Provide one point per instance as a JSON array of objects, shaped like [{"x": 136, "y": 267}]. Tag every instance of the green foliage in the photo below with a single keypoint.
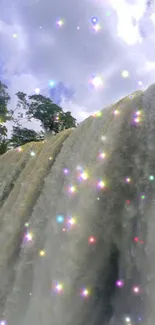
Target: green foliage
[
  {"x": 4, "y": 146},
  {"x": 20, "y": 136},
  {"x": 4, "y": 117},
  {"x": 4, "y": 100},
  {"x": 39, "y": 107},
  {"x": 43, "y": 109}
]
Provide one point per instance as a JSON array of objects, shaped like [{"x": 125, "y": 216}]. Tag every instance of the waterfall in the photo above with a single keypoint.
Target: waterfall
[{"x": 77, "y": 222}]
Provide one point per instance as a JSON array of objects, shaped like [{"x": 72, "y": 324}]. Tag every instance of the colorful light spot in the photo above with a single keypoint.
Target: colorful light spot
[
  {"x": 137, "y": 120},
  {"x": 60, "y": 219},
  {"x": 103, "y": 138},
  {"x": 94, "y": 20},
  {"x": 42, "y": 253},
  {"x": 85, "y": 293},
  {"x": 26, "y": 224},
  {"x": 128, "y": 180},
  {"x": 136, "y": 290},
  {"x": 37, "y": 91},
  {"x": 84, "y": 176},
  {"x": 125, "y": 73},
  {"x": 92, "y": 240},
  {"x": 52, "y": 83},
  {"x": 101, "y": 184},
  {"x": 116, "y": 112},
  {"x": 29, "y": 236},
  {"x": 19, "y": 149},
  {"x": 32, "y": 153},
  {"x": 96, "y": 27},
  {"x": 3, "y": 322},
  {"x": 119, "y": 283},
  {"x": 102, "y": 155},
  {"x": 97, "y": 114},
  {"x": 151, "y": 178},
  {"x": 66, "y": 171},
  {"x": 127, "y": 319},
  {"x": 58, "y": 288},
  {"x": 60, "y": 22},
  {"x": 97, "y": 82},
  {"x": 72, "y": 189}
]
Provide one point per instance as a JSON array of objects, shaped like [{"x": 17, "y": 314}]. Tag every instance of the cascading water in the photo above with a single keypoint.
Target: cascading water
[{"x": 87, "y": 256}]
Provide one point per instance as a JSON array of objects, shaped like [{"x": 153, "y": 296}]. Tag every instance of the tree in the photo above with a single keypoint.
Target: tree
[
  {"x": 20, "y": 136},
  {"x": 43, "y": 109},
  {"x": 4, "y": 117}
]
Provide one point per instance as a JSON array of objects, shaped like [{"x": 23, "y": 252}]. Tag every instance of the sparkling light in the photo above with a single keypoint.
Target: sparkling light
[
  {"x": 94, "y": 20},
  {"x": 101, "y": 184},
  {"x": 119, "y": 283},
  {"x": 136, "y": 290},
  {"x": 32, "y": 153},
  {"x": 143, "y": 196},
  {"x": 102, "y": 155},
  {"x": 103, "y": 138},
  {"x": 85, "y": 293},
  {"x": 42, "y": 253},
  {"x": 19, "y": 149},
  {"x": 60, "y": 219},
  {"x": 84, "y": 176},
  {"x": 151, "y": 178},
  {"x": 96, "y": 27},
  {"x": 29, "y": 236},
  {"x": 72, "y": 189},
  {"x": 97, "y": 82},
  {"x": 116, "y": 112},
  {"x": 137, "y": 120},
  {"x": 66, "y": 171},
  {"x": 14, "y": 35},
  {"x": 128, "y": 180},
  {"x": 97, "y": 114},
  {"x": 26, "y": 224},
  {"x": 59, "y": 288},
  {"x": 125, "y": 73},
  {"x": 2, "y": 322},
  {"x": 127, "y": 319},
  {"x": 72, "y": 221},
  {"x": 52, "y": 83},
  {"x": 37, "y": 90},
  {"x": 60, "y": 22},
  {"x": 92, "y": 240}
]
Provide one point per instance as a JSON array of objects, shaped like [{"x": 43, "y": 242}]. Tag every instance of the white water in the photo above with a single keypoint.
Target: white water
[{"x": 104, "y": 214}]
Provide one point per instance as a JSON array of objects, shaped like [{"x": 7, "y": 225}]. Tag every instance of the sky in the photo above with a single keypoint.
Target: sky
[{"x": 84, "y": 54}]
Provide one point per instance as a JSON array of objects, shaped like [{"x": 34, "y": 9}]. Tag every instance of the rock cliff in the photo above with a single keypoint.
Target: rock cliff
[{"x": 77, "y": 222}]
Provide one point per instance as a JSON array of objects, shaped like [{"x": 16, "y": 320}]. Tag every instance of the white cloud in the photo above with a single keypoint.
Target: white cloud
[
  {"x": 126, "y": 30},
  {"x": 78, "y": 111},
  {"x": 15, "y": 49}
]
